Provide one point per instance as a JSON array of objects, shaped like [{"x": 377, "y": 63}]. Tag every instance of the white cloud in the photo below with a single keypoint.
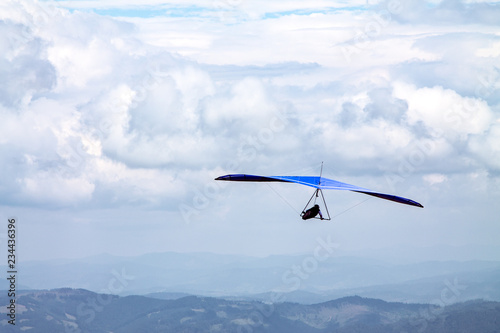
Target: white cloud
[
  {"x": 53, "y": 189},
  {"x": 435, "y": 178},
  {"x": 246, "y": 106},
  {"x": 369, "y": 141},
  {"x": 79, "y": 64},
  {"x": 448, "y": 12},
  {"x": 102, "y": 112},
  {"x": 492, "y": 51},
  {"x": 444, "y": 111},
  {"x": 487, "y": 147}
]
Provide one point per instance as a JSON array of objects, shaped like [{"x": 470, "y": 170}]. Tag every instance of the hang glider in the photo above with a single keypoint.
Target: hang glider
[{"x": 319, "y": 183}]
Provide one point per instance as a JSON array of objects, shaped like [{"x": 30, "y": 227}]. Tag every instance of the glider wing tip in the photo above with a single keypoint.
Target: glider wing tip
[{"x": 416, "y": 204}]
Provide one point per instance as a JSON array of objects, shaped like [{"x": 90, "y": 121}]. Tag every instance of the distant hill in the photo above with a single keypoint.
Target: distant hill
[
  {"x": 78, "y": 310},
  {"x": 303, "y": 278}
]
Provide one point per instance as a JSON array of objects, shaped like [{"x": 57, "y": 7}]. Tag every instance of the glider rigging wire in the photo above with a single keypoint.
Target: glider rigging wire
[
  {"x": 282, "y": 198},
  {"x": 320, "y": 184}
]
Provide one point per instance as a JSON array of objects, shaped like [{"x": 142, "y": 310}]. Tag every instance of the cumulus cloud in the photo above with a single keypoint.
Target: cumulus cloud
[
  {"x": 448, "y": 12},
  {"x": 66, "y": 104},
  {"x": 136, "y": 111},
  {"x": 25, "y": 70},
  {"x": 95, "y": 111},
  {"x": 444, "y": 111},
  {"x": 487, "y": 149},
  {"x": 435, "y": 178},
  {"x": 45, "y": 188},
  {"x": 128, "y": 110}
]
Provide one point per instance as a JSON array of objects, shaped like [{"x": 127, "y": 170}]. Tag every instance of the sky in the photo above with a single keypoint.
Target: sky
[{"x": 116, "y": 116}]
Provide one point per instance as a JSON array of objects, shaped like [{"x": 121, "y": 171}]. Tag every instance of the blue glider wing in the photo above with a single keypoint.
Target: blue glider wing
[{"x": 319, "y": 183}]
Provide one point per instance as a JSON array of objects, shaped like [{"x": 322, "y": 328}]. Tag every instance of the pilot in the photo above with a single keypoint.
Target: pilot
[{"x": 312, "y": 212}]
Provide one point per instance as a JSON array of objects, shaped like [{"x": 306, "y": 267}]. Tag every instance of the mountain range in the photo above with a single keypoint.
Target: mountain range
[
  {"x": 301, "y": 278},
  {"x": 78, "y": 310}
]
